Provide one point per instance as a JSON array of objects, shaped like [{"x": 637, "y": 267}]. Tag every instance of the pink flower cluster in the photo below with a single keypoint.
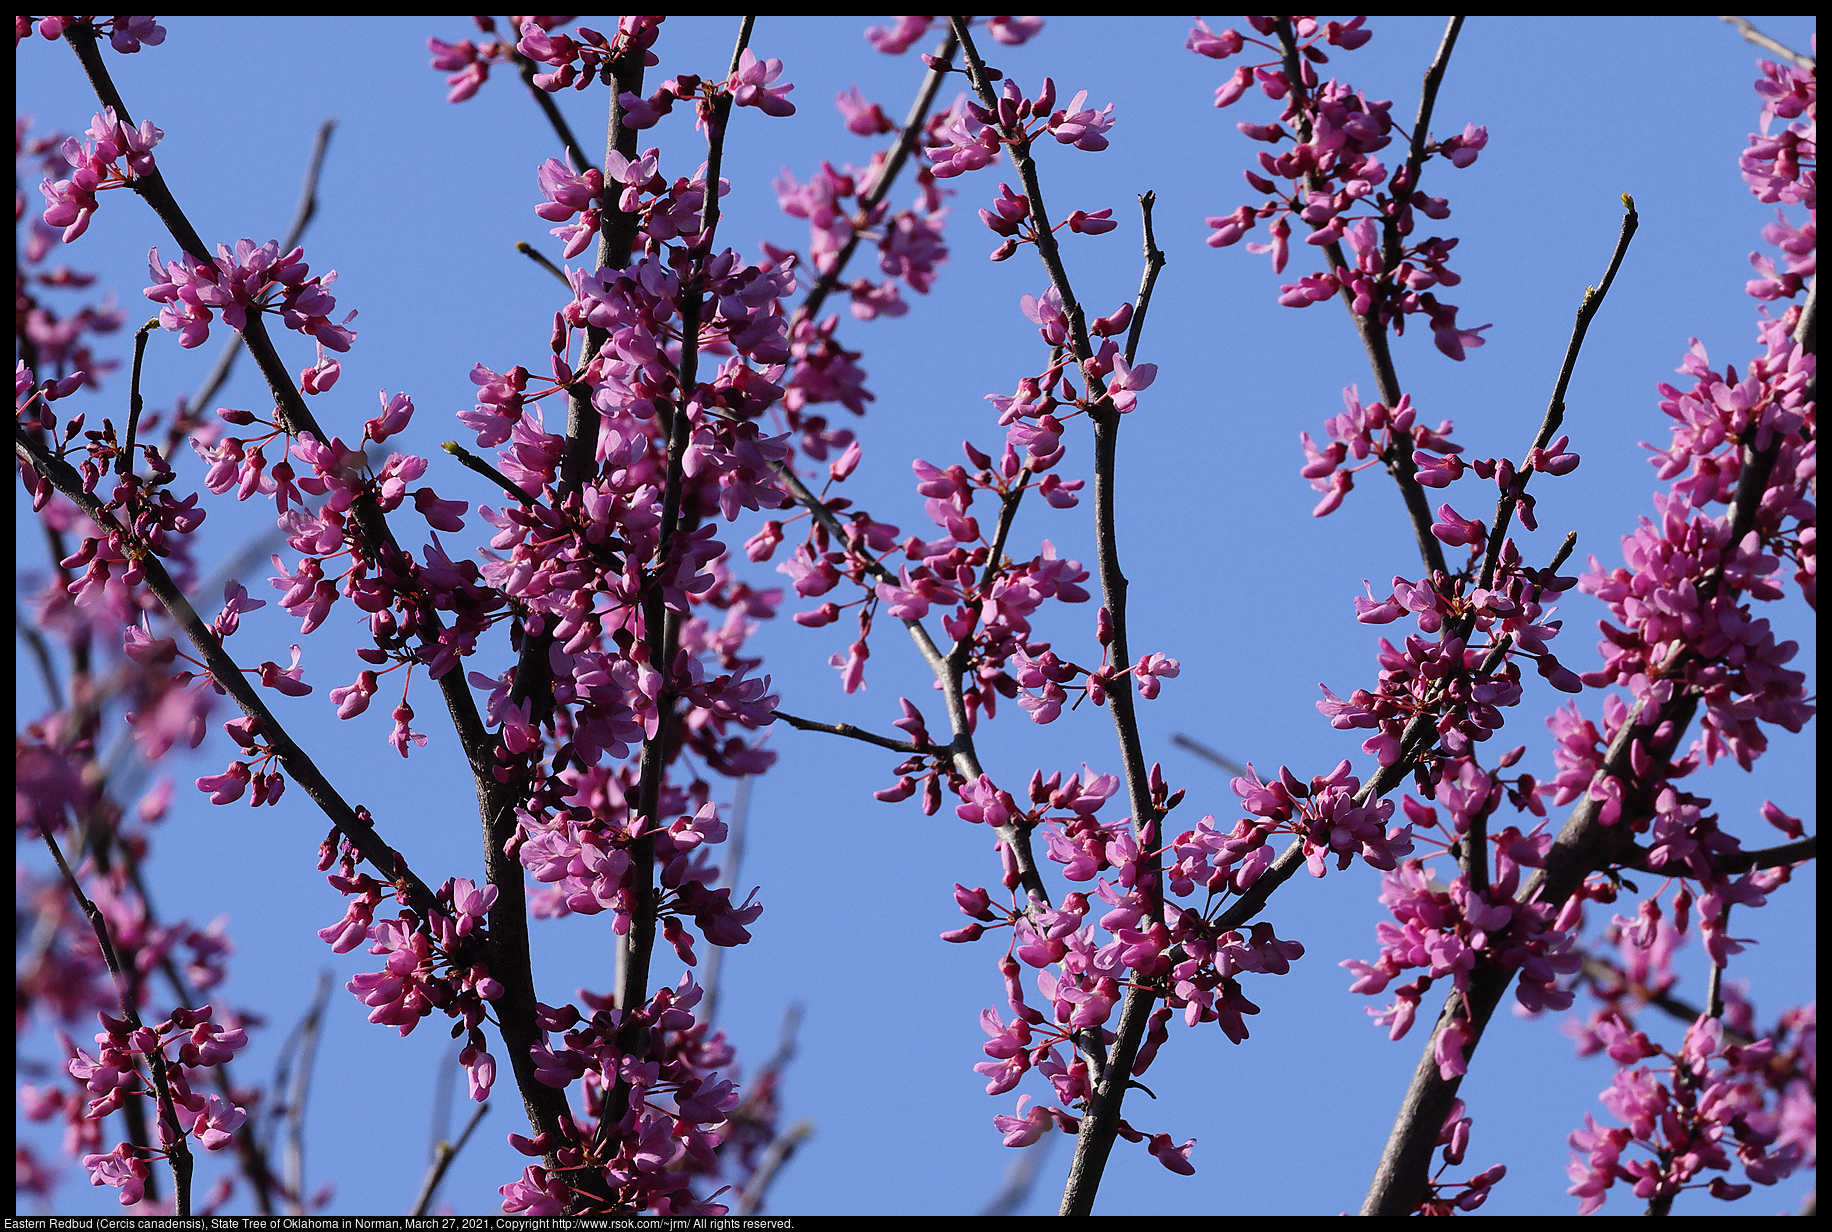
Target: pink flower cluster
[
  {"x": 909, "y": 241},
  {"x": 125, "y": 34},
  {"x": 895, "y": 40},
  {"x": 1447, "y": 930},
  {"x": 1452, "y": 677},
  {"x": 1708, "y": 1111},
  {"x": 96, "y": 166},
  {"x": 252, "y": 278},
  {"x": 435, "y": 962},
  {"x": 1372, "y": 434},
  {"x": 114, "y": 1075},
  {"x": 1335, "y": 132},
  {"x": 1449, "y": 1197},
  {"x": 970, "y": 137},
  {"x": 679, "y": 1108},
  {"x": 575, "y": 63}
]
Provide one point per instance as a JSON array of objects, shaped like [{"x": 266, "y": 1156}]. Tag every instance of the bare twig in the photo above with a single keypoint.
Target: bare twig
[
  {"x": 178, "y": 1149},
  {"x": 41, "y": 654},
  {"x": 1798, "y": 59},
  {"x": 1603, "y": 972},
  {"x": 292, "y": 1086},
  {"x": 539, "y": 258},
  {"x": 443, "y": 1155},
  {"x": 1019, "y": 1178},
  {"x": 472, "y": 462},
  {"x": 1207, "y": 754},
  {"x": 775, "y": 1158},
  {"x": 736, "y": 821},
  {"x": 859, "y": 733},
  {"x": 1555, "y": 409},
  {"x": 124, "y": 464}
]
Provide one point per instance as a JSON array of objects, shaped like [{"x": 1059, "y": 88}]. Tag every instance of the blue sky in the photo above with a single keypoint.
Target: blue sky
[{"x": 422, "y": 202}]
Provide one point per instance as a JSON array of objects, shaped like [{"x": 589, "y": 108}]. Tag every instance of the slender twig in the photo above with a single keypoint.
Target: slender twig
[
  {"x": 177, "y": 1148},
  {"x": 736, "y": 823},
  {"x": 1207, "y": 754},
  {"x": 307, "y": 1035},
  {"x": 472, "y": 462},
  {"x": 539, "y": 258},
  {"x": 1368, "y": 326},
  {"x": 41, "y": 653},
  {"x": 1555, "y": 409},
  {"x": 124, "y": 464},
  {"x": 881, "y": 186},
  {"x": 1798, "y": 59},
  {"x": 561, "y": 129},
  {"x": 1603, "y": 972},
  {"x": 775, "y": 1158},
  {"x": 1019, "y": 1177},
  {"x": 443, "y": 1155},
  {"x": 995, "y": 563},
  {"x": 1100, "y": 1125},
  {"x": 858, "y": 733},
  {"x": 1407, "y": 181},
  {"x": 1155, "y": 261},
  {"x": 965, "y": 757}
]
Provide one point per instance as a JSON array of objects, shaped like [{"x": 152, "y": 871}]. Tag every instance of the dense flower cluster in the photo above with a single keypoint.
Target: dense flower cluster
[
  {"x": 125, "y": 34},
  {"x": 114, "y": 1075},
  {"x": 679, "y": 1108},
  {"x": 1331, "y": 172},
  {"x": 1708, "y": 1111},
  {"x": 687, "y": 380},
  {"x": 113, "y": 157}
]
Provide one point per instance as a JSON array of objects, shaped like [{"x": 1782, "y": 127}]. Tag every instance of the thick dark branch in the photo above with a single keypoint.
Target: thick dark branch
[
  {"x": 1732, "y": 863},
  {"x": 1584, "y": 844}
]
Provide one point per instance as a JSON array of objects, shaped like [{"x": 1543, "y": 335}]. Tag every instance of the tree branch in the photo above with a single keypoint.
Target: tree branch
[
  {"x": 881, "y": 187},
  {"x": 1797, "y": 59}
]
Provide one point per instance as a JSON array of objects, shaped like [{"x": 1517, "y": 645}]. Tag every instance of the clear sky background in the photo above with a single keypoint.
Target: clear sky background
[{"x": 422, "y": 202}]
